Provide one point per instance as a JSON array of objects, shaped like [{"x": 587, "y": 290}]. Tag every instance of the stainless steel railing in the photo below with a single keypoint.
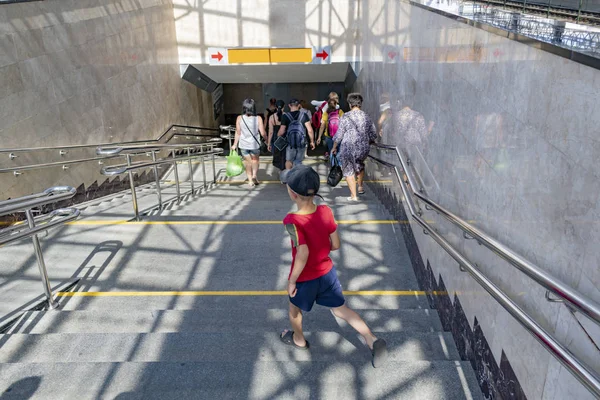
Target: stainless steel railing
[
  {"x": 582, "y": 372},
  {"x": 36, "y": 225},
  {"x": 174, "y": 131},
  {"x": 577, "y": 300},
  {"x": 192, "y": 152}
]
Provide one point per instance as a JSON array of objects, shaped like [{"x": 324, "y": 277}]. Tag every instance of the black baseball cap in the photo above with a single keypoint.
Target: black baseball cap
[
  {"x": 294, "y": 101},
  {"x": 303, "y": 180}
]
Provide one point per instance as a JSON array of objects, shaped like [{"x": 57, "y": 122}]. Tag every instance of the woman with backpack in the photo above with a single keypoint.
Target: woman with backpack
[
  {"x": 330, "y": 121},
  {"x": 248, "y": 127},
  {"x": 355, "y": 133},
  {"x": 274, "y": 125}
]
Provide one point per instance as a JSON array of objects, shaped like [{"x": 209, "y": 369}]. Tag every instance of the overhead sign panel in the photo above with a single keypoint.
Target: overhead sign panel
[
  {"x": 291, "y": 55},
  {"x": 322, "y": 55},
  {"x": 391, "y": 54},
  {"x": 218, "y": 56},
  {"x": 224, "y": 56},
  {"x": 249, "y": 56}
]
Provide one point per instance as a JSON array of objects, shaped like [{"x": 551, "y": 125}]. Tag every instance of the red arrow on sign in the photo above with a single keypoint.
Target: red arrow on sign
[
  {"x": 323, "y": 55},
  {"x": 392, "y": 54},
  {"x": 217, "y": 56}
]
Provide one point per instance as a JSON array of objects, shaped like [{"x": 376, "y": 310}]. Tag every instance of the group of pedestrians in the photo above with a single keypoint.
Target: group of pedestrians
[{"x": 287, "y": 135}]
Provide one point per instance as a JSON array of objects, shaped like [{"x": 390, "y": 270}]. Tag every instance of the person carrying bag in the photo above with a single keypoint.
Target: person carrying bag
[
  {"x": 335, "y": 173},
  {"x": 249, "y": 126}
]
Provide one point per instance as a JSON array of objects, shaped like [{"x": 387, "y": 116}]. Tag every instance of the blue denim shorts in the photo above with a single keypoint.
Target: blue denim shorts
[
  {"x": 325, "y": 291},
  {"x": 250, "y": 152},
  {"x": 295, "y": 156}
]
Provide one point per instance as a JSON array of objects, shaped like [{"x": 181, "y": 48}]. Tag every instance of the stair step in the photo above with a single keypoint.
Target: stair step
[
  {"x": 251, "y": 303},
  {"x": 333, "y": 379},
  {"x": 215, "y": 320},
  {"x": 219, "y": 346}
]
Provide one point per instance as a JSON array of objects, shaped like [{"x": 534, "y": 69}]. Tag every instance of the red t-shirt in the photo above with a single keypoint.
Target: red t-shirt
[{"x": 312, "y": 230}]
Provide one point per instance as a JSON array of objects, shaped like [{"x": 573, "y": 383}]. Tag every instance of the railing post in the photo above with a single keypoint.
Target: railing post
[
  {"x": 189, "y": 153},
  {"x": 52, "y": 304},
  {"x": 176, "y": 178},
  {"x": 204, "y": 171},
  {"x": 157, "y": 178},
  {"x": 132, "y": 186},
  {"x": 214, "y": 169}
]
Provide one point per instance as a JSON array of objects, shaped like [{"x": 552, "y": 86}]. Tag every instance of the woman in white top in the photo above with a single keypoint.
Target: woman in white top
[{"x": 247, "y": 129}]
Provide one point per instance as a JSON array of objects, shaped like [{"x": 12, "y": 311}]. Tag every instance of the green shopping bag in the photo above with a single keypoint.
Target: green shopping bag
[{"x": 235, "y": 166}]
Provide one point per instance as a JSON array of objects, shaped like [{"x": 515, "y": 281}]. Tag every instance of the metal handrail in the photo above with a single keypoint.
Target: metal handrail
[
  {"x": 21, "y": 231},
  {"x": 64, "y": 149},
  {"x": 581, "y": 371},
  {"x": 51, "y": 195},
  {"x": 115, "y": 150},
  {"x": 113, "y": 170},
  {"x": 108, "y": 155},
  {"x": 577, "y": 300},
  {"x": 13, "y": 235},
  {"x": 52, "y": 164},
  {"x": 172, "y": 128},
  {"x": 130, "y": 167}
]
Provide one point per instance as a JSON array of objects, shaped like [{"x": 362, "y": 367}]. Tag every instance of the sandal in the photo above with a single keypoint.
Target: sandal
[
  {"x": 288, "y": 338},
  {"x": 361, "y": 190},
  {"x": 352, "y": 199},
  {"x": 379, "y": 353},
  {"x": 256, "y": 182}
]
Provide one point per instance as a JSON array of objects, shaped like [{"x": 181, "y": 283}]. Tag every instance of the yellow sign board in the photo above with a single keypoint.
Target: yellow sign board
[
  {"x": 224, "y": 56},
  {"x": 249, "y": 56},
  {"x": 291, "y": 55}
]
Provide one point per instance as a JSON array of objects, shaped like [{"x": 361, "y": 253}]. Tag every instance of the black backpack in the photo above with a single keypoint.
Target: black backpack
[{"x": 296, "y": 136}]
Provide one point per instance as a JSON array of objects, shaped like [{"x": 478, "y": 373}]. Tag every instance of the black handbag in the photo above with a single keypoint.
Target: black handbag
[
  {"x": 264, "y": 149},
  {"x": 335, "y": 173}
]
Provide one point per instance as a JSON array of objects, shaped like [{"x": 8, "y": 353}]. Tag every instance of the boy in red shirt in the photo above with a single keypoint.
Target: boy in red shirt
[{"x": 313, "y": 278}]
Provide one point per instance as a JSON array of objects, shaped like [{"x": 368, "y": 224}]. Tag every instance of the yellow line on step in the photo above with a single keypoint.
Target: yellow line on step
[
  {"x": 242, "y": 293},
  {"x": 125, "y": 222},
  {"x": 240, "y": 182}
]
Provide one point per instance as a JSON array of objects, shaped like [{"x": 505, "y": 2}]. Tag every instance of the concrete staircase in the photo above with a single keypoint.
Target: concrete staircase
[{"x": 192, "y": 345}]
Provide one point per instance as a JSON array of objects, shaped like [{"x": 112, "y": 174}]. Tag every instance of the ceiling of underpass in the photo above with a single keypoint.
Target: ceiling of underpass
[{"x": 290, "y": 73}]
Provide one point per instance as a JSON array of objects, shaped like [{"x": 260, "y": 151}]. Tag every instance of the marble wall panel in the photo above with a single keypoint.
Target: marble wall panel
[
  {"x": 88, "y": 71},
  {"x": 513, "y": 149}
]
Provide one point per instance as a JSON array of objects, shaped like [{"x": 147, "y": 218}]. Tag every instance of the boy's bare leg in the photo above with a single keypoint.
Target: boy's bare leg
[
  {"x": 296, "y": 321},
  {"x": 356, "y": 322}
]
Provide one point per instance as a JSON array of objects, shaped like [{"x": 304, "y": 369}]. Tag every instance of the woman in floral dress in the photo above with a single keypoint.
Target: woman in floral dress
[{"x": 354, "y": 136}]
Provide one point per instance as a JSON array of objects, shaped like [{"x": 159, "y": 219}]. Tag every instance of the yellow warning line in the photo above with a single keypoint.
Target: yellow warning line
[
  {"x": 242, "y": 293},
  {"x": 125, "y": 222},
  {"x": 240, "y": 182}
]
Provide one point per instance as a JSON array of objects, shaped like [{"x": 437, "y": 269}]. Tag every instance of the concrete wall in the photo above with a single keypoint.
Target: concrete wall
[
  {"x": 234, "y": 95},
  {"x": 89, "y": 71},
  {"x": 512, "y": 146}
]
